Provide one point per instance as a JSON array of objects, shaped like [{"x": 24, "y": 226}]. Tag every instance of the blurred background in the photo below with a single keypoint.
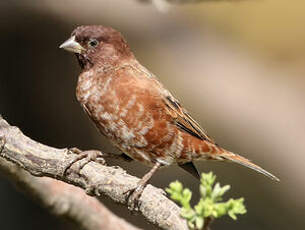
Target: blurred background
[{"x": 238, "y": 66}]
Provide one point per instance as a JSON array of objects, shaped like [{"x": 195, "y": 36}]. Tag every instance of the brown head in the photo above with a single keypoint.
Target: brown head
[{"x": 96, "y": 45}]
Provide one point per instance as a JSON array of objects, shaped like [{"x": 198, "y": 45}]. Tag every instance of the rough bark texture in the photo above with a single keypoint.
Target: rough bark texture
[
  {"x": 65, "y": 200},
  {"x": 96, "y": 179}
]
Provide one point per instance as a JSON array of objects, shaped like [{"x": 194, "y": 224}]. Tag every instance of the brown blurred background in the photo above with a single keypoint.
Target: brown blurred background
[{"x": 238, "y": 66}]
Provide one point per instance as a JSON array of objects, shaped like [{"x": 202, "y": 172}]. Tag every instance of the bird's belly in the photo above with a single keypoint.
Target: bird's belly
[
  {"x": 124, "y": 127},
  {"x": 132, "y": 130}
]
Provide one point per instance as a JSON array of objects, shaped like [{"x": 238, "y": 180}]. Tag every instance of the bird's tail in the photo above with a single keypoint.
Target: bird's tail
[{"x": 245, "y": 162}]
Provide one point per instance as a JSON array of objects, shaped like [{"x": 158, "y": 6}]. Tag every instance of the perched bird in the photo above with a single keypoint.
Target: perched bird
[{"x": 130, "y": 106}]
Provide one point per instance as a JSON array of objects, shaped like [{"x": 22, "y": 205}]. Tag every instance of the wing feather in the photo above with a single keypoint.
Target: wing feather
[{"x": 183, "y": 119}]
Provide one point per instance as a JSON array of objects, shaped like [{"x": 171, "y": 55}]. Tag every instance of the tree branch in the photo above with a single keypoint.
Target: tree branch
[
  {"x": 65, "y": 200},
  {"x": 96, "y": 179}
]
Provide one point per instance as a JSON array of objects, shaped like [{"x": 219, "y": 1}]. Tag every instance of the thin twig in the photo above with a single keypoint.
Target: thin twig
[{"x": 207, "y": 223}]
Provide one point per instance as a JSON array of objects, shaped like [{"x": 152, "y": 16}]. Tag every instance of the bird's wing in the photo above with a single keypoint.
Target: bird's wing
[
  {"x": 183, "y": 119},
  {"x": 180, "y": 116}
]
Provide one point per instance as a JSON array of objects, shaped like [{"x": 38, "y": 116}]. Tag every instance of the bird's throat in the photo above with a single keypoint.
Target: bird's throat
[{"x": 84, "y": 62}]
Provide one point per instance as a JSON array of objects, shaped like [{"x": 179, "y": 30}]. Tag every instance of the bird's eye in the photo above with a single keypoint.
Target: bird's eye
[{"x": 93, "y": 43}]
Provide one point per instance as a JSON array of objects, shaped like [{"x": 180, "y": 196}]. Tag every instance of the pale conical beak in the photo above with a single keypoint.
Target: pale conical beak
[{"x": 72, "y": 46}]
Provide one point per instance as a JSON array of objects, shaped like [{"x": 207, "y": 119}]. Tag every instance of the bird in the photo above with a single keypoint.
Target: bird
[{"x": 131, "y": 107}]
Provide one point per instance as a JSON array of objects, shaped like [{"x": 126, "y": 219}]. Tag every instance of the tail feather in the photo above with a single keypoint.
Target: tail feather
[{"x": 245, "y": 162}]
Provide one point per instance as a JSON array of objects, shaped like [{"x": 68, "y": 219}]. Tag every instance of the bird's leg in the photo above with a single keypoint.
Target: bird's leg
[
  {"x": 134, "y": 194},
  {"x": 90, "y": 155}
]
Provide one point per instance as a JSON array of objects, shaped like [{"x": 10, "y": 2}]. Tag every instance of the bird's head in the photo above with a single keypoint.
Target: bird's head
[{"x": 97, "y": 45}]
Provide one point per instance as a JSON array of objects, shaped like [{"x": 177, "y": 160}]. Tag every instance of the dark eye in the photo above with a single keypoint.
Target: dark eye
[{"x": 93, "y": 43}]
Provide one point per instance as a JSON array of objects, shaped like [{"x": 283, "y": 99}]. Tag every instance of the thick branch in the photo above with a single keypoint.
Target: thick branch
[
  {"x": 65, "y": 200},
  {"x": 96, "y": 179}
]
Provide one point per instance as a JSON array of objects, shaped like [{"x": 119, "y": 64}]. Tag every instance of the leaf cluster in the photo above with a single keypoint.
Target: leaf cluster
[{"x": 210, "y": 205}]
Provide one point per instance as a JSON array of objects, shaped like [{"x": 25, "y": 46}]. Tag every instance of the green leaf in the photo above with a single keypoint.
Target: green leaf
[
  {"x": 187, "y": 213},
  {"x": 199, "y": 208},
  {"x": 236, "y": 207},
  {"x": 208, "y": 179},
  {"x": 203, "y": 191},
  {"x": 218, "y": 191},
  {"x": 224, "y": 189},
  {"x": 191, "y": 224},
  {"x": 176, "y": 186},
  {"x": 186, "y": 197},
  {"x": 208, "y": 205},
  {"x": 199, "y": 222},
  {"x": 187, "y": 194},
  {"x": 220, "y": 209}
]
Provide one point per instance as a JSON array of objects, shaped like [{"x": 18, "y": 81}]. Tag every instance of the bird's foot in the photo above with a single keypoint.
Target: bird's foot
[
  {"x": 133, "y": 197},
  {"x": 90, "y": 155}
]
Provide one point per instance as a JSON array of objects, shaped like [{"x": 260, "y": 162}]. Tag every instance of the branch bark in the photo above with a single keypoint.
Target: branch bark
[
  {"x": 41, "y": 160},
  {"x": 65, "y": 200}
]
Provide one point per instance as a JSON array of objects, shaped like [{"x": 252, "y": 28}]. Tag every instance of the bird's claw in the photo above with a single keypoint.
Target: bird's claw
[
  {"x": 90, "y": 155},
  {"x": 133, "y": 198},
  {"x": 74, "y": 150}
]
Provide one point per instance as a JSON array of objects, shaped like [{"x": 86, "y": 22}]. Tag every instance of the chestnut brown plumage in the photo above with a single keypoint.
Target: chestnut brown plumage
[{"x": 129, "y": 105}]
